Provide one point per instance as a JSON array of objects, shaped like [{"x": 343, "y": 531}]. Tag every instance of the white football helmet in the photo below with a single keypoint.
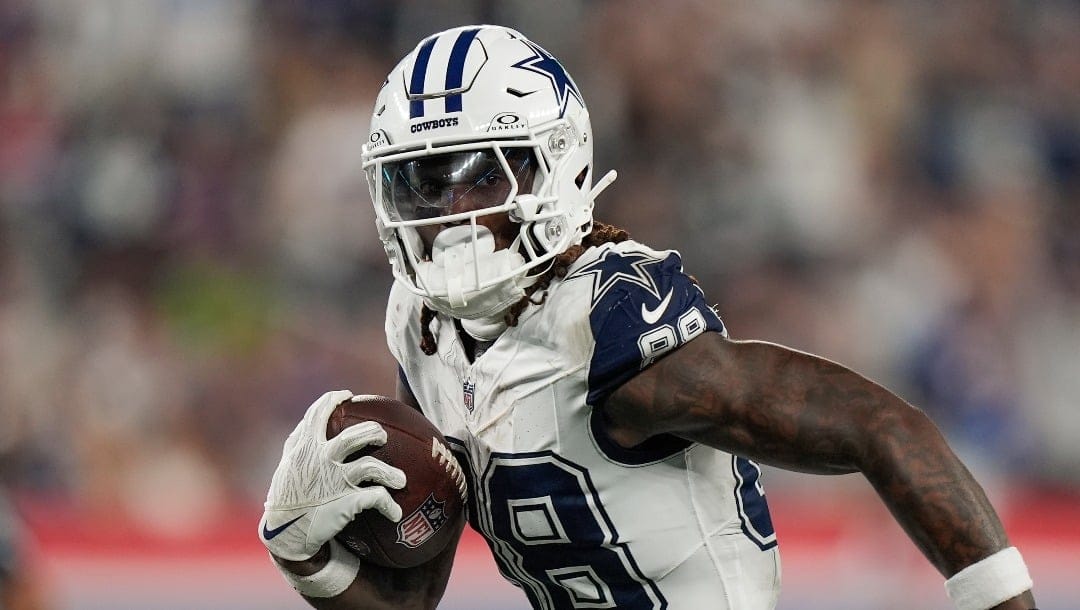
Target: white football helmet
[{"x": 477, "y": 121}]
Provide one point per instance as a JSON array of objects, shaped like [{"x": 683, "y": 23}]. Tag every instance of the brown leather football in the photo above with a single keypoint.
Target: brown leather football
[{"x": 433, "y": 499}]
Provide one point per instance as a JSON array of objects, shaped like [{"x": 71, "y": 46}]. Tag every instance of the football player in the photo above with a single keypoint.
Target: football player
[{"x": 609, "y": 425}]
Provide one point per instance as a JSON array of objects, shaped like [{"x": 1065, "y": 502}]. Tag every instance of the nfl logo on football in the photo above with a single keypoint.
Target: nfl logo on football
[
  {"x": 422, "y": 524},
  {"x": 469, "y": 388}
]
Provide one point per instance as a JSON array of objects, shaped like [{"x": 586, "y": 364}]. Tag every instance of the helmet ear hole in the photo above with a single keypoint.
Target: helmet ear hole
[{"x": 580, "y": 180}]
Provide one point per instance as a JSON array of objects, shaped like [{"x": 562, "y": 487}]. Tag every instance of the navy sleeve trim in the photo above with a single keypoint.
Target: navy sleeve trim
[{"x": 654, "y": 449}]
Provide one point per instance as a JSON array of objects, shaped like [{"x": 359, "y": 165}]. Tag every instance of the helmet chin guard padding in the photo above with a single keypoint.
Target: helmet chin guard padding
[{"x": 477, "y": 121}]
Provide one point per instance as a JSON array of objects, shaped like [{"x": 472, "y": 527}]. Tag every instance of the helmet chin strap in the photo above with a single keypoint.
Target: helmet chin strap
[{"x": 458, "y": 263}]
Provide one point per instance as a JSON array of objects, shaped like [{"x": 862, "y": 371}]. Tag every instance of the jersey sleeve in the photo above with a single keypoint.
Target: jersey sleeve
[{"x": 644, "y": 306}]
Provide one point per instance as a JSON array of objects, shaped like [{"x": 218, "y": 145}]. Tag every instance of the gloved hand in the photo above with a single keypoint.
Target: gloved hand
[{"x": 314, "y": 494}]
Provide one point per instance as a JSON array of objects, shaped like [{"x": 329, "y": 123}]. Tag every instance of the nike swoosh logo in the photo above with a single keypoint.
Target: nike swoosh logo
[
  {"x": 269, "y": 534},
  {"x": 516, "y": 93},
  {"x": 651, "y": 316}
]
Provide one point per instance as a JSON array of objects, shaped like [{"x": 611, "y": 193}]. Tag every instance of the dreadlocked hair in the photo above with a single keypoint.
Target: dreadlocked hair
[{"x": 601, "y": 234}]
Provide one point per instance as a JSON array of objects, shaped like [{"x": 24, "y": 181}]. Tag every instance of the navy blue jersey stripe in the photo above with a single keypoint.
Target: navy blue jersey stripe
[
  {"x": 654, "y": 449},
  {"x": 416, "y": 84},
  {"x": 455, "y": 70},
  {"x": 753, "y": 507},
  {"x": 404, "y": 380}
]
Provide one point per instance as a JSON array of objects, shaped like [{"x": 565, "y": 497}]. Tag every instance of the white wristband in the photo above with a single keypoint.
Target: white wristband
[
  {"x": 330, "y": 581},
  {"x": 990, "y": 581}
]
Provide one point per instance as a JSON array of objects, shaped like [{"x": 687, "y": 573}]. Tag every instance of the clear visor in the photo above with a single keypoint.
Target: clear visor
[{"x": 434, "y": 186}]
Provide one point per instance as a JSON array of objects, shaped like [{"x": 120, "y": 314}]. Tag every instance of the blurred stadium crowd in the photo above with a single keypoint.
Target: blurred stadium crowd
[{"x": 188, "y": 258}]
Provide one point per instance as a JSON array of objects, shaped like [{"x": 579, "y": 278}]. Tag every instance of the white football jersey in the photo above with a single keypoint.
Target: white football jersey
[{"x": 572, "y": 518}]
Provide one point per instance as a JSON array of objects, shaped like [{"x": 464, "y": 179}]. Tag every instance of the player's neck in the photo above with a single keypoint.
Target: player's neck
[
  {"x": 484, "y": 329},
  {"x": 474, "y": 347}
]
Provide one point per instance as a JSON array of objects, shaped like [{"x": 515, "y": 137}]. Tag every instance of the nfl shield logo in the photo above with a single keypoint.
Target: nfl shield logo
[
  {"x": 422, "y": 524},
  {"x": 469, "y": 388}
]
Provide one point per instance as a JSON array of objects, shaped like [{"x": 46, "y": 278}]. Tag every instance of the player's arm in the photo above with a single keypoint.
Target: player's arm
[
  {"x": 379, "y": 588},
  {"x": 801, "y": 412}
]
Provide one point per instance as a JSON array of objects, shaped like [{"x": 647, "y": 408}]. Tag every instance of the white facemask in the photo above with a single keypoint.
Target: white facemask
[{"x": 453, "y": 272}]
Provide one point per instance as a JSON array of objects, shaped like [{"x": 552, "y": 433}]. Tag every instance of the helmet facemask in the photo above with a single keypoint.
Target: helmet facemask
[{"x": 437, "y": 208}]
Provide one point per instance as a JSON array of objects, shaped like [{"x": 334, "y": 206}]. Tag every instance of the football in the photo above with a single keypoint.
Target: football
[{"x": 433, "y": 499}]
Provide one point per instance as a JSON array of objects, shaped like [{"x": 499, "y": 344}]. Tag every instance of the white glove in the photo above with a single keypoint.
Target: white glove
[{"x": 314, "y": 494}]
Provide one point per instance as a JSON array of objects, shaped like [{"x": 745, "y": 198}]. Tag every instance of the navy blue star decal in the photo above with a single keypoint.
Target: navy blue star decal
[
  {"x": 612, "y": 268},
  {"x": 544, "y": 64}
]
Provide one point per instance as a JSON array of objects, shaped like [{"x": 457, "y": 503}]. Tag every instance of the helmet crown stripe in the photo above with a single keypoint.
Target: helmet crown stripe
[
  {"x": 456, "y": 68},
  {"x": 416, "y": 83}
]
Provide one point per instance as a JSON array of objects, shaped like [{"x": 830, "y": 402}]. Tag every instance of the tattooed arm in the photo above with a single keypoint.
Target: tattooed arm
[
  {"x": 800, "y": 412},
  {"x": 379, "y": 588}
]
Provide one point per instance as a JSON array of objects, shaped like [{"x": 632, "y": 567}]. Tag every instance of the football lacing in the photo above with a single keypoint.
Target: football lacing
[{"x": 441, "y": 453}]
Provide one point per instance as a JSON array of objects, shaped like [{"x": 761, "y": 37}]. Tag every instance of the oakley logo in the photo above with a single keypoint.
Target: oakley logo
[
  {"x": 504, "y": 121},
  {"x": 377, "y": 139}
]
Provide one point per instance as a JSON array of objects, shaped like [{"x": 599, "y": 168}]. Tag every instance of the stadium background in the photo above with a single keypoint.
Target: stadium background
[{"x": 187, "y": 257}]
